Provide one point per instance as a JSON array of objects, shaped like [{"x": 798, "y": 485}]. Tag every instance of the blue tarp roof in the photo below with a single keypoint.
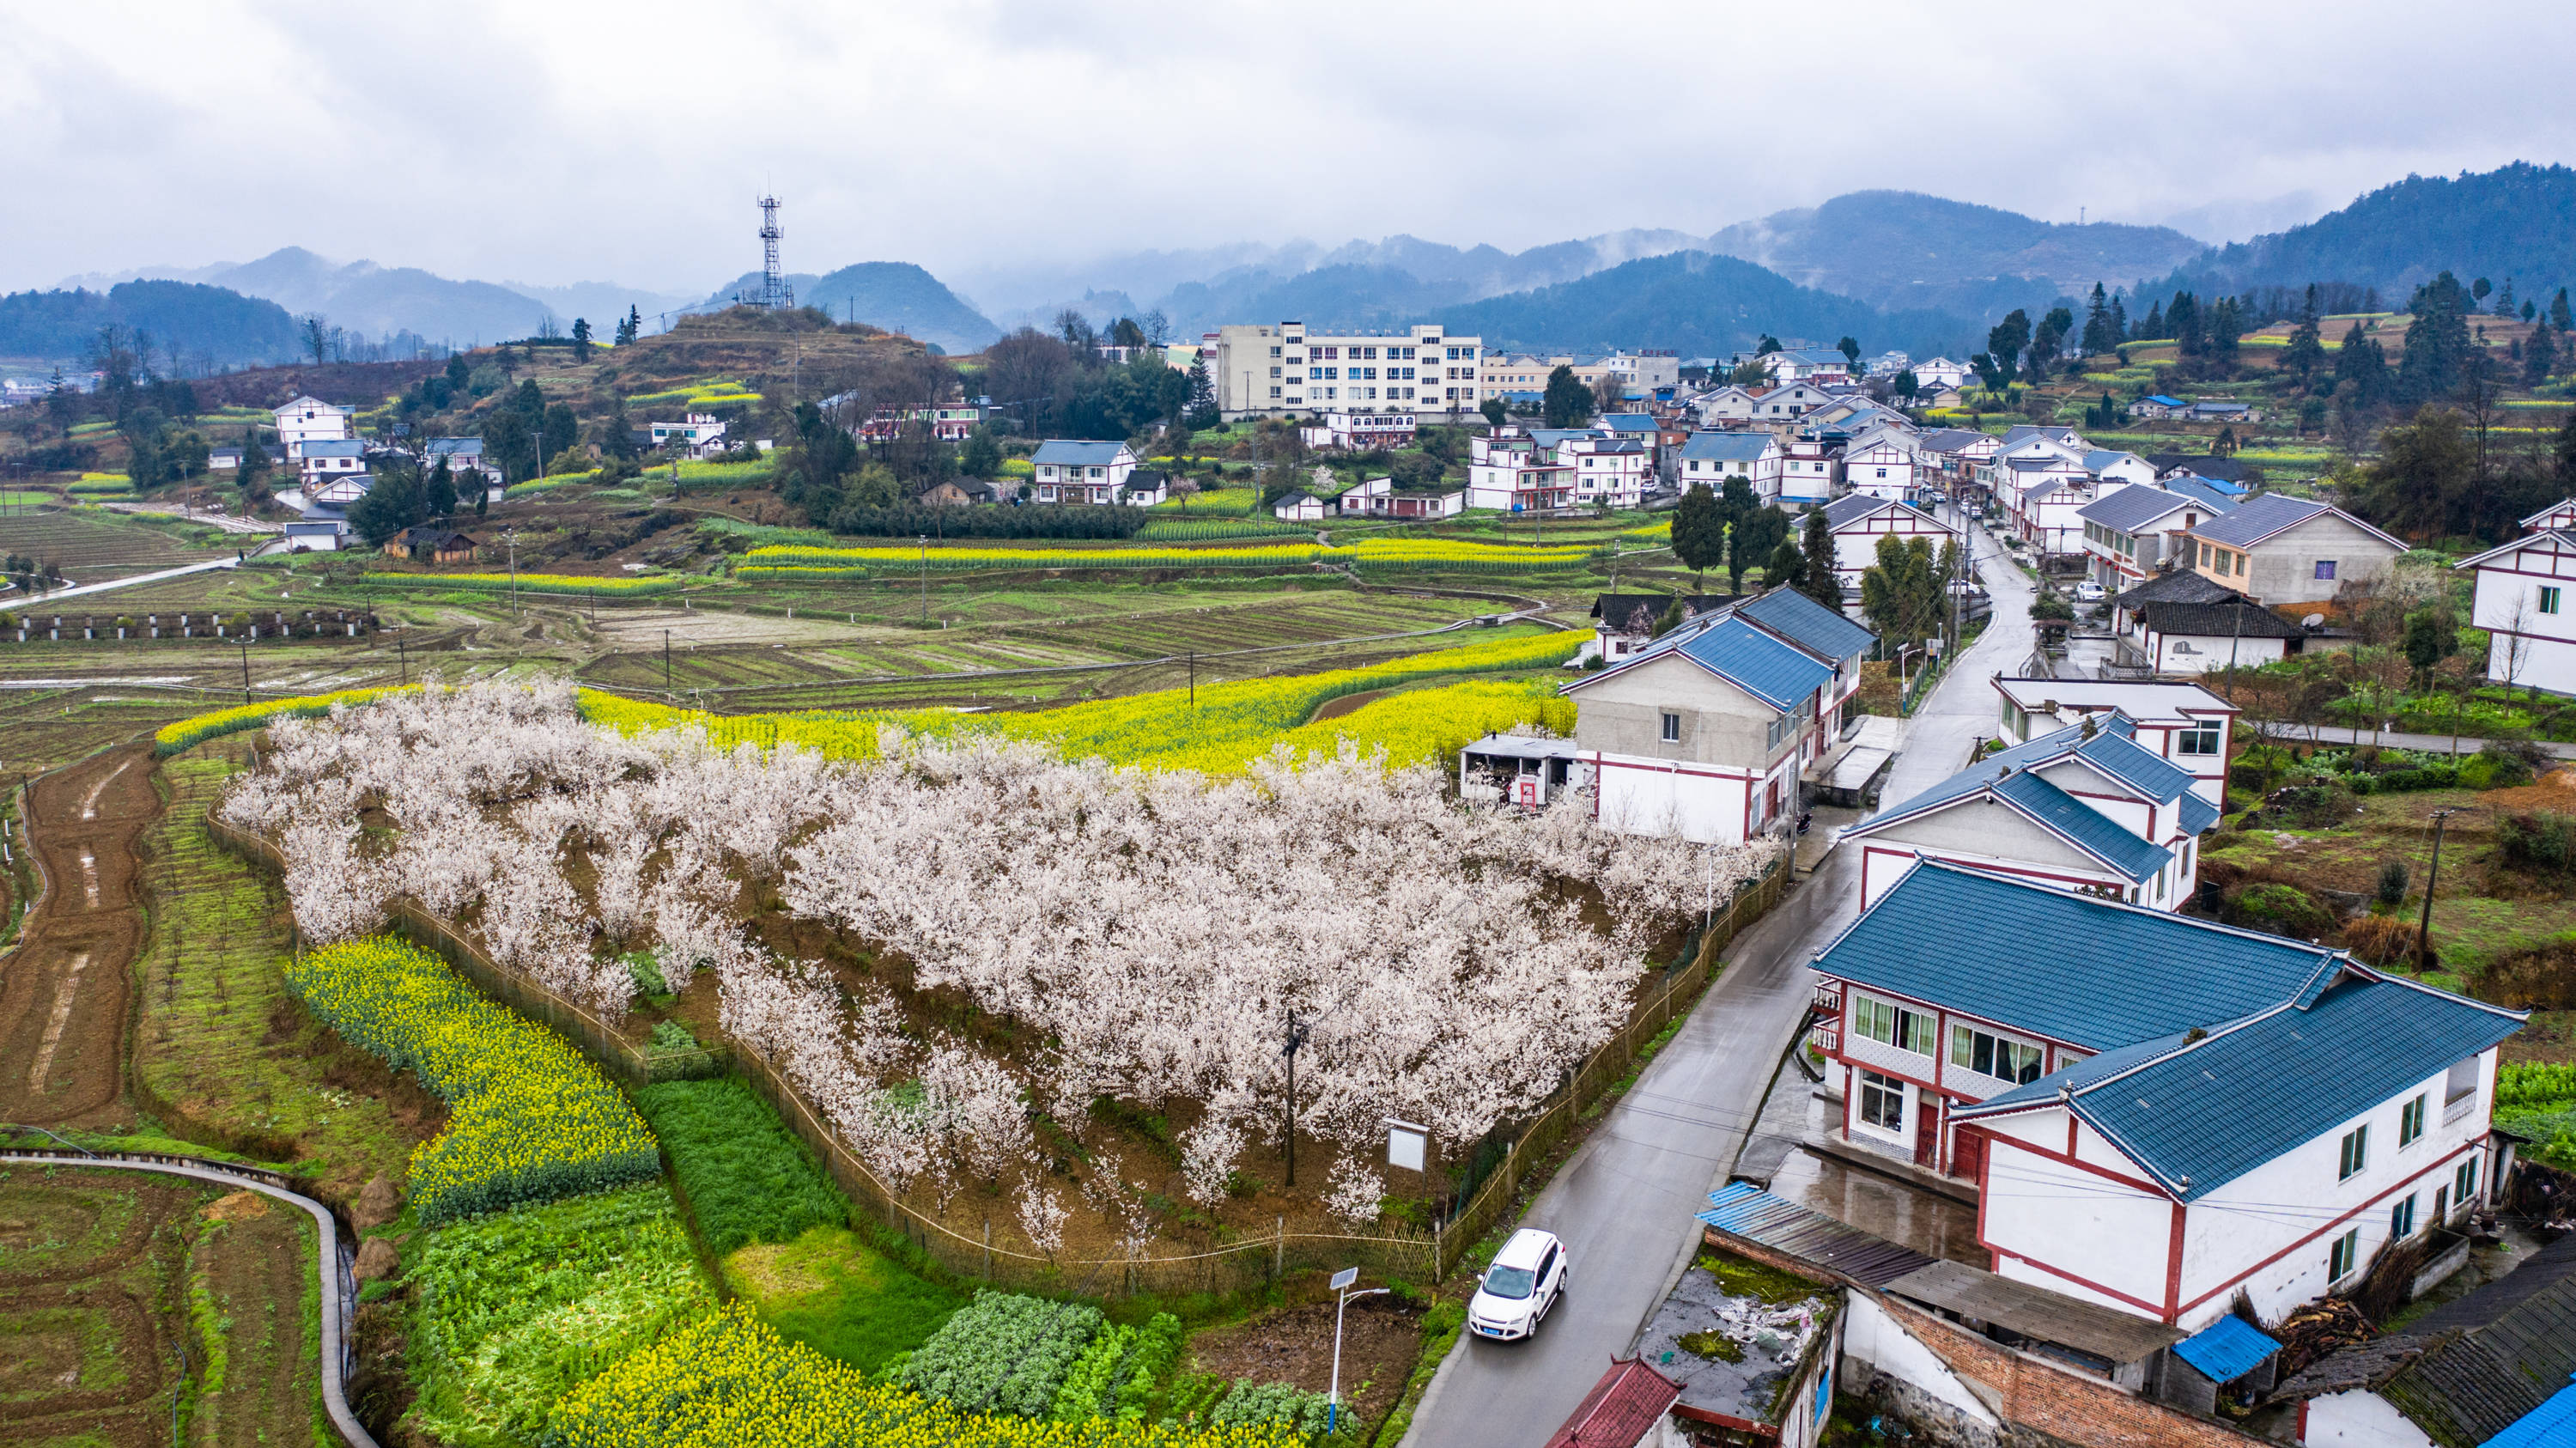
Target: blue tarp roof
[{"x": 2227, "y": 1349}]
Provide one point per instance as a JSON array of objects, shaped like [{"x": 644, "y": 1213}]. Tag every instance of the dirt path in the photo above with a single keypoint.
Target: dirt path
[{"x": 63, "y": 993}]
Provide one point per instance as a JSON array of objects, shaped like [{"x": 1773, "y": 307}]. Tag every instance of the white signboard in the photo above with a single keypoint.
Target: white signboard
[{"x": 1405, "y": 1143}]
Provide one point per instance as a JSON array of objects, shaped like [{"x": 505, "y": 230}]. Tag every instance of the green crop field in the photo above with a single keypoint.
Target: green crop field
[{"x": 214, "y": 1010}]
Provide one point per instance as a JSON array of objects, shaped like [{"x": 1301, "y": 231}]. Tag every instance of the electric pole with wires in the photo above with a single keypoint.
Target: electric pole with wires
[{"x": 1297, "y": 1031}]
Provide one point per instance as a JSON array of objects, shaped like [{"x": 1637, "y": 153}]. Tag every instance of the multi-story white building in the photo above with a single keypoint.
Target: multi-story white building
[
  {"x": 2523, "y": 602},
  {"x": 1613, "y": 471},
  {"x": 1076, "y": 471},
  {"x": 1266, "y": 370},
  {"x": 310, "y": 419}
]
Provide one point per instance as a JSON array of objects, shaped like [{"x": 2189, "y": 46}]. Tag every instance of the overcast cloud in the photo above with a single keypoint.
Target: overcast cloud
[{"x": 556, "y": 142}]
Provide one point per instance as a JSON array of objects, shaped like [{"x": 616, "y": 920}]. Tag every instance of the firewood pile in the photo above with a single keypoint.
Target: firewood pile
[{"x": 2317, "y": 1329}]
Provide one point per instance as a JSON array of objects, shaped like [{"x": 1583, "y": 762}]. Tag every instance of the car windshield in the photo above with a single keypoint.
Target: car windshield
[{"x": 1510, "y": 1282}]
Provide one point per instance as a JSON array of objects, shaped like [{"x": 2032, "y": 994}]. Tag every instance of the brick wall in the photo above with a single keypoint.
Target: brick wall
[{"x": 2059, "y": 1403}]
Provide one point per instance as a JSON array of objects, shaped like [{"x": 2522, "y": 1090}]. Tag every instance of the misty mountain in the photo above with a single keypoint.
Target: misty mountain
[
  {"x": 1696, "y": 304},
  {"x": 206, "y": 326},
  {"x": 1904, "y": 250},
  {"x": 2510, "y": 222},
  {"x": 375, "y": 301},
  {"x": 2220, "y": 222},
  {"x": 895, "y": 295}
]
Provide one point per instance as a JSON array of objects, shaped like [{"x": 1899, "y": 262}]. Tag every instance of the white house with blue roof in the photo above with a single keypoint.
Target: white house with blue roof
[
  {"x": 1704, "y": 733},
  {"x": 2133, "y": 532},
  {"x": 2085, "y": 807},
  {"x": 1713, "y": 457},
  {"x": 2159, "y": 1113},
  {"x": 1075, "y": 471}
]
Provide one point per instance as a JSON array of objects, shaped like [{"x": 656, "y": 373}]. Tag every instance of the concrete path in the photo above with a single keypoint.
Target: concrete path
[
  {"x": 2430, "y": 743},
  {"x": 1962, "y": 708},
  {"x": 40, "y": 604}
]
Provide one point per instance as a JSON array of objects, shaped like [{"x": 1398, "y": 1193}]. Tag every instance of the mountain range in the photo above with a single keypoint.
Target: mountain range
[{"x": 1893, "y": 268}]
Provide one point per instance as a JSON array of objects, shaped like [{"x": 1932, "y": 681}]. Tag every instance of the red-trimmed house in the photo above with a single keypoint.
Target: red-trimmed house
[
  {"x": 2525, "y": 599},
  {"x": 2181, "y": 723},
  {"x": 1704, "y": 733},
  {"x": 2159, "y": 1113},
  {"x": 2083, "y": 808},
  {"x": 1858, "y": 520}
]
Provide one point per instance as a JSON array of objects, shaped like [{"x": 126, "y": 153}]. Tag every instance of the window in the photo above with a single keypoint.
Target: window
[
  {"x": 2345, "y": 1255},
  {"x": 2464, "y": 1182},
  {"x": 1892, "y": 1024},
  {"x": 2410, "y": 1125},
  {"x": 2461, "y": 1082},
  {"x": 1672, "y": 728},
  {"x": 2240, "y": 565},
  {"x": 2401, "y": 1219},
  {"x": 2203, "y": 740},
  {"x": 2356, "y": 1152},
  {"x": 1882, "y": 1101},
  {"x": 2325, "y": 568},
  {"x": 2549, "y": 600},
  {"x": 1992, "y": 1056}
]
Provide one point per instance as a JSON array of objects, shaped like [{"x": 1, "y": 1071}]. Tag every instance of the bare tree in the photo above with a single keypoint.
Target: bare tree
[{"x": 2517, "y": 643}]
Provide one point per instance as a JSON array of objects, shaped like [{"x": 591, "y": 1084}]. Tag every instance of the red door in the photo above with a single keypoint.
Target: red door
[
  {"x": 1967, "y": 1155},
  {"x": 1927, "y": 1130}
]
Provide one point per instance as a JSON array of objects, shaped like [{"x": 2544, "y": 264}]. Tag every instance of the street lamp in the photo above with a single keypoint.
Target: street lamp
[{"x": 1342, "y": 1281}]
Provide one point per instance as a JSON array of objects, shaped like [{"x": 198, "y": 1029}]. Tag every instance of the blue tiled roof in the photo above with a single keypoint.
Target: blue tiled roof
[
  {"x": 2103, "y": 457},
  {"x": 2260, "y": 519},
  {"x": 1807, "y": 623},
  {"x": 2205, "y": 1111},
  {"x": 1628, "y": 421},
  {"x": 2198, "y": 814},
  {"x": 1727, "y": 447},
  {"x": 2116, "y": 754},
  {"x": 1962, "y": 938},
  {"x": 1077, "y": 453},
  {"x": 2090, "y": 830},
  {"x": 2133, "y": 507},
  {"x": 2227, "y": 1349},
  {"x": 2160, "y": 400},
  {"x": 2214, "y": 495},
  {"x": 1773, "y": 672}
]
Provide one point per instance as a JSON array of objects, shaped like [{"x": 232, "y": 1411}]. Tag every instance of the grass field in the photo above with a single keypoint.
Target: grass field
[
  {"x": 217, "y": 1040},
  {"x": 747, "y": 1179},
  {"x": 833, "y": 1292}
]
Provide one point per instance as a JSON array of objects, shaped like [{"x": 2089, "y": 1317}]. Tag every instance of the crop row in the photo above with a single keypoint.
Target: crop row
[
  {"x": 1003, "y": 1352},
  {"x": 198, "y": 728},
  {"x": 529, "y": 1120},
  {"x": 538, "y": 583},
  {"x": 729, "y": 1381}
]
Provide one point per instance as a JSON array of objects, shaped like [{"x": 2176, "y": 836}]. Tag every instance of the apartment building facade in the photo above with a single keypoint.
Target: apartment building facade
[{"x": 1270, "y": 369}]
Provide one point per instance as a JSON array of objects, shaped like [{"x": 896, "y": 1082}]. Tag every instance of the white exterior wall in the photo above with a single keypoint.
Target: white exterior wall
[
  {"x": 1273, "y": 368},
  {"x": 1671, "y": 798},
  {"x": 2200, "y": 653},
  {"x": 1875, "y": 1341},
  {"x": 1808, "y": 480},
  {"x": 1856, "y": 544},
  {"x": 2359, "y": 1419},
  {"x": 1763, "y": 471},
  {"x": 2063, "y": 1227},
  {"x": 1882, "y": 470},
  {"x": 307, "y": 420},
  {"x": 2527, "y": 647}
]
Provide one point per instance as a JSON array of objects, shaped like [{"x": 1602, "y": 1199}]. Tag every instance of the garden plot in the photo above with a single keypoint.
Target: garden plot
[{"x": 1020, "y": 989}]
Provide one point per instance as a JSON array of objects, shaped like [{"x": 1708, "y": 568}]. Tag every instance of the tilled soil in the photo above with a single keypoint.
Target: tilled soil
[
  {"x": 91, "y": 1268},
  {"x": 1294, "y": 1345},
  {"x": 63, "y": 993},
  {"x": 251, "y": 1261}
]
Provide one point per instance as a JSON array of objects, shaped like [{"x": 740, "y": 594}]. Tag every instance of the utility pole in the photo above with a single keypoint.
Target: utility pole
[
  {"x": 1194, "y": 678},
  {"x": 1296, "y": 1038},
  {"x": 245, "y": 651},
  {"x": 2432, "y": 877},
  {"x": 925, "y": 580},
  {"x": 666, "y": 661},
  {"x": 511, "y": 536},
  {"x": 402, "y": 652}
]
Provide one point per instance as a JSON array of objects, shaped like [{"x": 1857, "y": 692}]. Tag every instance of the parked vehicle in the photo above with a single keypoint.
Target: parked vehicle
[
  {"x": 1517, "y": 1292},
  {"x": 2090, "y": 592}
]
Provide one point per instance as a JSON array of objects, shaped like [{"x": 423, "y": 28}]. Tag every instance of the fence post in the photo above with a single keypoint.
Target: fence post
[
  {"x": 988, "y": 1249},
  {"x": 1279, "y": 1249},
  {"x": 1439, "y": 1253}
]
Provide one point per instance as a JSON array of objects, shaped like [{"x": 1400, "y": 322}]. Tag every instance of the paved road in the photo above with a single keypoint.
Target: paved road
[
  {"x": 2431, "y": 743},
  {"x": 1962, "y": 708},
  {"x": 1624, "y": 1203},
  {"x": 42, "y": 602}
]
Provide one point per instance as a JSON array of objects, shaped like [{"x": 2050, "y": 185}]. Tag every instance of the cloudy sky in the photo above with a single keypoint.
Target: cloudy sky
[{"x": 551, "y": 141}]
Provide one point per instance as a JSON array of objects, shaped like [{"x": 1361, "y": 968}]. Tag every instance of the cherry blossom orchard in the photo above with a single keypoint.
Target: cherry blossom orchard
[{"x": 955, "y": 950}]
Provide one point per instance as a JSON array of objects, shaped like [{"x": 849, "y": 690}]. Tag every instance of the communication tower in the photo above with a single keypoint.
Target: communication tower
[{"x": 774, "y": 291}]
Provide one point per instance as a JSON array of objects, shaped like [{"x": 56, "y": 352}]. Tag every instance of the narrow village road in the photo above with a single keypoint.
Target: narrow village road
[{"x": 1624, "y": 1203}]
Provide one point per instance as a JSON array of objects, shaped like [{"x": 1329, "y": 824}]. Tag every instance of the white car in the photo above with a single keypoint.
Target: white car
[
  {"x": 1517, "y": 1292},
  {"x": 2090, "y": 592}
]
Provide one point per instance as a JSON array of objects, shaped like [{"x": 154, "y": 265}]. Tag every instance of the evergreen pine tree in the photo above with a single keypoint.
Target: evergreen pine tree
[
  {"x": 2558, "y": 316},
  {"x": 2119, "y": 321},
  {"x": 1821, "y": 582},
  {"x": 2540, "y": 359},
  {"x": 2153, "y": 328},
  {"x": 2306, "y": 351},
  {"x": 2097, "y": 323},
  {"x": 1699, "y": 533}
]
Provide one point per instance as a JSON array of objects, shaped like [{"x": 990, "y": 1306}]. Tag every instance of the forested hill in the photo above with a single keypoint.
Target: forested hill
[
  {"x": 206, "y": 325},
  {"x": 2518, "y": 222},
  {"x": 1695, "y": 304}
]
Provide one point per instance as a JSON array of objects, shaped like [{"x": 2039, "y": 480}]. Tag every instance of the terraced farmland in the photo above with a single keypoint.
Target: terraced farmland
[{"x": 91, "y": 548}]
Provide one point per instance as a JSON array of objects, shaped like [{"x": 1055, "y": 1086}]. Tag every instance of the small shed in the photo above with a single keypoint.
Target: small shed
[
  {"x": 427, "y": 543},
  {"x": 1628, "y": 1408},
  {"x": 1523, "y": 769}
]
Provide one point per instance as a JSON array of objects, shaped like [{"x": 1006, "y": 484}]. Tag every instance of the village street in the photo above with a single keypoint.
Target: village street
[{"x": 1624, "y": 1204}]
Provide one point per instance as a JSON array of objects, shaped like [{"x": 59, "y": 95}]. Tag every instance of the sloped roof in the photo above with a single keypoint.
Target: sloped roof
[
  {"x": 1771, "y": 670},
  {"x": 2217, "y": 497},
  {"x": 1853, "y": 507},
  {"x": 1952, "y": 439},
  {"x": 2273, "y": 514},
  {"x": 2180, "y": 586},
  {"x": 2007, "y": 778},
  {"x": 1728, "y": 447},
  {"x": 2227, "y": 1349},
  {"x": 1629, "y": 421},
  {"x": 2132, "y": 508},
  {"x": 2024, "y": 432},
  {"x": 1808, "y": 624},
  {"x": 2200, "y": 1112},
  {"x": 454, "y": 447},
  {"x": 1742, "y": 1210},
  {"x": 1078, "y": 453},
  {"x": 1621, "y": 610},
  {"x": 340, "y": 447},
  {"x": 2550, "y": 1273},
  {"x": 2565, "y": 537},
  {"x": 2103, "y": 457},
  {"x": 1620, "y": 1410},
  {"x": 2223, "y": 619},
  {"x": 1957, "y": 937},
  {"x": 2560, "y": 506}
]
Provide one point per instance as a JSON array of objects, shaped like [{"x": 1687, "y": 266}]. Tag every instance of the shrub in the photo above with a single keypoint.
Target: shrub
[
  {"x": 2540, "y": 842},
  {"x": 529, "y": 1120},
  {"x": 2317, "y": 806},
  {"x": 1004, "y": 1352},
  {"x": 2279, "y": 908},
  {"x": 746, "y": 1176},
  {"x": 2380, "y": 939},
  {"x": 2494, "y": 768},
  {"x": 2392, "y": 882}
]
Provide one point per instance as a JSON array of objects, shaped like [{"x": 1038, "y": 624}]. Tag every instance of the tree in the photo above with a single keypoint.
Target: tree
[
  {"x": 2559, "y": 316},
  {"x": 581, "y": 337},
  {"x": 2421, "y": 483},
  {"x": 1901, "y": 593},
  {"x": 438, "y": 491},
  {"x": 1736, "y": 505},
  {"x": 2097, "y": 324},
  {"x": 2306, "y": 351},
  {"x": 1768, "y": 345},
  {"x": 1567, "y": 402},
  {"x": 1760, "y": 533},
  {"x": 1075, "y": 331},
  {"x": 2437, "y": 341},
  {"x": 1609, "y": 391},
  {"x": 1850, "y": 348},
  {"x": 391, "y": 505},
  {"x": 459, "y": 373},
  {"x": 2047, "y": 340},
  {"x": 1699, "y": 531},
  {"x": 1820, "y": 580},
  {"x": 316, "y": 330},
  {"x": 511, "y": 445},
  {"x": 2539, "y": 359},
  {"x": 2361, "y": 370},
  {"x": 2430, "y": 638},
  {"x": 1786, "y": 567},
  {"x": 1908, "y": 386},
  {"x": 632, "y": 328},
  {"x": 1999, "y": 364},
  {"x": 1494, "y": 411},
  {"x": 982, "y": 455},
  {"x": 1203, "y": 413}
]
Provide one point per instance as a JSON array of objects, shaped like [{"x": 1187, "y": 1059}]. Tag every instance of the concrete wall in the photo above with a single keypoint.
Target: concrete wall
[
  {"x": 1641, "y": 797},
  {"x": 2508, "y": 602},
  {"x": 2283, "y": 568},
  {"x": 2081, "y": 1232},
  {"x": 1980, "y": 833},
  {"x": 2360, "y": 1420},
  {"x": 1721, "y": 724}
]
